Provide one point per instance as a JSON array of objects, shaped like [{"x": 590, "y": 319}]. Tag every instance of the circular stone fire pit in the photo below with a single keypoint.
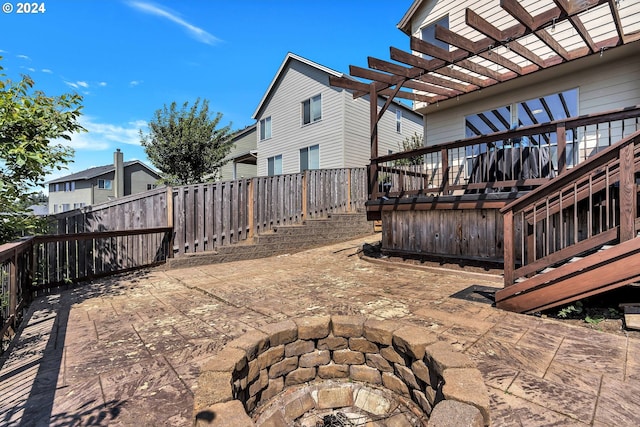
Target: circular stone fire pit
[{"x": 335, "y": 371}]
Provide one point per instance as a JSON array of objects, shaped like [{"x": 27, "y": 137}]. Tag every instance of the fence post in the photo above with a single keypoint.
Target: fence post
[
  {"x": 305, "y": 194},
  {"x": 251, "y": 207},
  {"x": 349, "y": 190},
  {"x": 170, "y": 220}
]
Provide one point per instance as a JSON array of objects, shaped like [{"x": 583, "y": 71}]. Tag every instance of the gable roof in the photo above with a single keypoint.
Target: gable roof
[
  {"x": 405, "y": 23},
  {"x": 98, "y": 171},
  {"x": 292, "y": 56},
  {"x": 288, "y": 58}
]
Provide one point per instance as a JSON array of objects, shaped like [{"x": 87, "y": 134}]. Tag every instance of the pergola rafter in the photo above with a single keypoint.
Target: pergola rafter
[{"x": 436, "y": 74}]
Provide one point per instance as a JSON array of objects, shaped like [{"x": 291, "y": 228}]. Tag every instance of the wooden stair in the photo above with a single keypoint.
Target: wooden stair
[{"x": 611, "y": 267}]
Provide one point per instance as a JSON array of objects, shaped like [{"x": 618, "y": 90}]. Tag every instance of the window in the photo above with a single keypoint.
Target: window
[
  {"x": 399, "y": 120},
  {"x": 310, "y": 158},
  {"x": 65, "y": 207},
  {"x": 311, "y": 110},
  {"x": 104, "y": 183},
  {"x": 151, "y": 186},
  {"x": 78, "y": 205},
  {"x": 265, "y": 128},
  {"x": 70, "y": 186},
  {"x": 428, "y": 34},
  {"x": 274, "y": 165},
  {"x": 535, "y": 111}
]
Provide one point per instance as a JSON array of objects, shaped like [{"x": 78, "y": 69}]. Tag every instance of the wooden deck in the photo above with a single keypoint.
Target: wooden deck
[{"x": 530, "y": 224}]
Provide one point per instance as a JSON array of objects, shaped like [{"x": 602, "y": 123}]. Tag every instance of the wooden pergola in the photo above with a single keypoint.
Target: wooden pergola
[{"x": 486, "y": 55}]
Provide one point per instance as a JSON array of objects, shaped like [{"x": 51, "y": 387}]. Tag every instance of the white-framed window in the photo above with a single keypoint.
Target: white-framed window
[
  {"x": 104, "y": 184},
  {"x": 428, "y": 34},
  {"x": 311, "y": 110},
  {"x": 265, "y": 128},
  {"x": 399, "y": 120},
  {"x": 78, "y": 205},
  {"x": 65, "y": 207},
  {"x": 70, "y": 186},
  {"x": 310, "y": 158},
  {"x": 274, "y": 165}
]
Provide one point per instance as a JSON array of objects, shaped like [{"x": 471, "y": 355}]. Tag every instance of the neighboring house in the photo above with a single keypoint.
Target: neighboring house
[
  {"x": 100, "y": 184},
  {"x": 242, "y": 159},
  {"x": 538, "y": 93},
  {"x": 304, "y": 123}
]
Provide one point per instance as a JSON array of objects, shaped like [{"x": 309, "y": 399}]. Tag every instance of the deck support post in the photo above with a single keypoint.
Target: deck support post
[
  {"x": 628, "y": 193},
  {"x": 509, "y": 249}
]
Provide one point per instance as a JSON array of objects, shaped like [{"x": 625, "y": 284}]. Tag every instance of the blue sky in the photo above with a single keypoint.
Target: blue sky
[{"x": 129, "y": 58}]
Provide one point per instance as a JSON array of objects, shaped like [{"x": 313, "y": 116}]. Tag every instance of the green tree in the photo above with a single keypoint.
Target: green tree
[
  {"x": 412, "y": 142},
  {"x": 185, "y": 143},
  {"x": 30, "y": 123}
]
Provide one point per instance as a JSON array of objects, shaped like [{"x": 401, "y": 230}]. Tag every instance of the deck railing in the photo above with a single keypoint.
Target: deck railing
[
  {"x": 43, "y": 262},
  {"x": 593, "y": 204},
  {"x": 504, "y": 161}
]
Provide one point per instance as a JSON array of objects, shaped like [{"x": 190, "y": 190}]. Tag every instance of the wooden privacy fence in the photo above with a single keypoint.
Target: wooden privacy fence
[{"x": 207, "y": 216}]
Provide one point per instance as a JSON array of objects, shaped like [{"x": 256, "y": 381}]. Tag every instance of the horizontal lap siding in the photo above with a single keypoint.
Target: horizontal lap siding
[{"x": 298, "y": 83}]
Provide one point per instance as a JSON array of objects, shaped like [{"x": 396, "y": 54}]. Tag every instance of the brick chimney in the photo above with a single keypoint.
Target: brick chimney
[{"x": 118, "y": 180}]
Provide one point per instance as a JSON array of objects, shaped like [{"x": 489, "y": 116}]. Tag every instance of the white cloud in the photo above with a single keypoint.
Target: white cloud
[
  {"x": 78, "y": 84},
  {"x": 103, "y": 136},
  {"x": 102, "y": 84},
  {"x": 195, "y": 32},
  {"x": 25, "y": 57},
  {"x": 46, "y": 70},
  {"x": 134, "y": 83}
]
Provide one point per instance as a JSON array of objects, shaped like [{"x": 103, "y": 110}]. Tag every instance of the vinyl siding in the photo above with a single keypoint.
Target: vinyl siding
[
  {"x": 299, "y": 82},
  {"x": 136, "y": 179},
  {"x": 248, "y": 141},
  {"x": 602, "y": 86},
  {"x": 82, "y": 194}
]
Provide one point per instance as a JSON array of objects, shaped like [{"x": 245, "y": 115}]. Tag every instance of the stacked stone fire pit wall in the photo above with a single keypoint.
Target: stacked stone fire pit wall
[{"x": 405, "y": 359}]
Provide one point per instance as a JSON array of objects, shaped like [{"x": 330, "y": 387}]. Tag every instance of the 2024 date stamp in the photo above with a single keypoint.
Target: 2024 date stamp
[{"x": 24, "y": 8}]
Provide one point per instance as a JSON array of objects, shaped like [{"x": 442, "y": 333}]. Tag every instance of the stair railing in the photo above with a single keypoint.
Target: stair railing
[{"x": 592, "y": 204}]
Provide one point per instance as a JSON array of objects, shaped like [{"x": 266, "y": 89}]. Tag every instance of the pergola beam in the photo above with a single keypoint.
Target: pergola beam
[{"x": 435, "y": 74}]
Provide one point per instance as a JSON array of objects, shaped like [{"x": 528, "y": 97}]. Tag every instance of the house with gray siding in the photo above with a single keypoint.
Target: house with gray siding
[
  {"x": 243, "y": 157},
  {"x": 100, "y": 184},
  {"x": 304, "y": 123}
]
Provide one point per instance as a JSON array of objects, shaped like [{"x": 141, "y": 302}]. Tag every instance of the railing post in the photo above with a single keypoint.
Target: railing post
[
  {"x": 13, "y": 286},
  {"x": 561, "y": 133},
  {"x": 509, "y": 249},
  {"x": 627, "y": 193},
  {"x": 444, "y": 155},
  {"x": 372, "y": 173},
  {"x": 251, "y": 207}
]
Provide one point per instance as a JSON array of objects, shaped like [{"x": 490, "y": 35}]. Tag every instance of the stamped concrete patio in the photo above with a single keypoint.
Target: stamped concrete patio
[{"x": 126, "y": 351}]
